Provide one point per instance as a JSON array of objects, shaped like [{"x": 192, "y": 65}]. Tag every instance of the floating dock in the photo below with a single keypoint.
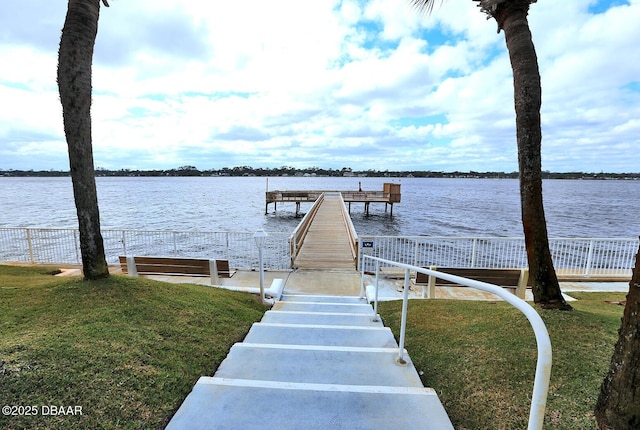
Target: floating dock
[{"x": 389, "y": 195}]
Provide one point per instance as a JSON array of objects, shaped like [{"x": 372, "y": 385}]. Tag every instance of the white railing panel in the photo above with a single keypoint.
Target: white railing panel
[
  {"x": 576, "y": 256},
  {"x": 15, "y": 245},
  {"x": 62, "y": 246}
]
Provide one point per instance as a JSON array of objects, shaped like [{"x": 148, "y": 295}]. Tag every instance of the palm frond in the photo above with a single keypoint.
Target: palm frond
[{"x": 425, "y": 5}]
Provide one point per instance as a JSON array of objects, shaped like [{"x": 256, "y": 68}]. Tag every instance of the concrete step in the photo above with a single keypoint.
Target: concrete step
[
  {"x": 217, "y": 403},
  {"x": 325, "y": 335},
  {"x": 323, "y": 307},
  {"x": 322, "y": 299},
  {"x": 322, "y": 318},
  {"x": 313, "y": 362},
  {"x": 318, "y": 364}
]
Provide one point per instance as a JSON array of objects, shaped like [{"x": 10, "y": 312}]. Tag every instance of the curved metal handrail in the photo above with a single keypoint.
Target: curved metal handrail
[{"x": 543, "y": 365}]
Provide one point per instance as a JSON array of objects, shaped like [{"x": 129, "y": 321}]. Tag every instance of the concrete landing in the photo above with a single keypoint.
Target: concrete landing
[
  {"x": 324, "y": 282},
  {"x": 314, "y": 362}
]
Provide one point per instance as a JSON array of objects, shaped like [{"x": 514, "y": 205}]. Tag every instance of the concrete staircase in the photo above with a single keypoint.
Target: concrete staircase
[{"x": 313, "y": 362}]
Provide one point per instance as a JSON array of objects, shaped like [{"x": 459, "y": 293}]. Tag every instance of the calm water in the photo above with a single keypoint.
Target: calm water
[{"x": 432, "y": 207}]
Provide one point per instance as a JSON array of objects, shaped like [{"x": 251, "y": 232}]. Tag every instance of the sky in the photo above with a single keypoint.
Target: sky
[{"x": 366, "y": 84}]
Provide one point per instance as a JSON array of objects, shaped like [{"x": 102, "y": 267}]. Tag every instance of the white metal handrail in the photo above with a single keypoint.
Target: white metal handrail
[{"x": 543, "y": 365}]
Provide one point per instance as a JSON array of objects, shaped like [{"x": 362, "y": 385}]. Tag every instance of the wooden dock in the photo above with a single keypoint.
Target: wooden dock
[
  {"x": 325, "y": 239},
  {"x": 389, "y": 195}
]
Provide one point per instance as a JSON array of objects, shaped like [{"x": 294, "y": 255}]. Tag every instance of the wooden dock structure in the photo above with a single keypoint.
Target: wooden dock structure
[
  {"x": 325, "y": 239},
  {"x": 389, "y": 195}
]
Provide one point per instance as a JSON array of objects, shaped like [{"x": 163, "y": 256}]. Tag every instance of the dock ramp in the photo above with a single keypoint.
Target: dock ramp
[{"x": 325, "y": 239}]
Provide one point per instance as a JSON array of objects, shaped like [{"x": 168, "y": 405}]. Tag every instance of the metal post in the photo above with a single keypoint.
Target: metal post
[
  {"x": 363, "y": 293},
  {"x": 587, "y": 270},
  {"x": 124, "y": 244},
  {"x": 75, "y": 244},
  {"x": 175, "y": 246},
  {"x": 30, "y": 245},
  {"x": 473, "y": 252},
  {"x": 261, "y": 275},
  {"x": 403, "y": 325},
  {"x": 260, "y": 236},
  {"x": 375, "y": 300}
]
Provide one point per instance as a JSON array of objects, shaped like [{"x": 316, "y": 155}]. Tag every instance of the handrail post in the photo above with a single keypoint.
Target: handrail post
[
  {"x": 403, "y": 325},
  {"x": 375, "y": 300},
  {"x": 363, "y": 293}
]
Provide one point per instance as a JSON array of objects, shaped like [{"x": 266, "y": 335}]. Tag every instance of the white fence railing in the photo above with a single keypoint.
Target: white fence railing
[
  {"x": 583, "y": 257},
  {"x": 571, "y": 256},
  {"x": 62, "y": 246}
]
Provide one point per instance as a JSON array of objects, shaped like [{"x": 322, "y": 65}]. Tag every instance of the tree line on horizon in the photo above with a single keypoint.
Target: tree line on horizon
[{"x": 316, "y": 171}]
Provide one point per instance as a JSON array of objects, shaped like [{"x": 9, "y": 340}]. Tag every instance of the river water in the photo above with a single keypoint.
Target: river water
[{"x": 430, "y": 207}]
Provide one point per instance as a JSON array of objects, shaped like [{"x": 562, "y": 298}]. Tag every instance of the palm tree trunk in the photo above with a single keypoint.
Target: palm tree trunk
[
  {"x": 512, "y": 18},
  {"x": 75, "y": 59},
  {"x": 618, "y": 405}
]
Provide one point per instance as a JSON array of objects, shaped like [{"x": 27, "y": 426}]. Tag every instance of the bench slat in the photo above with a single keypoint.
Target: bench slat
[
  {"x": 171, "y": 261},
  {"x": 172, "y": 269},
  {"x": 176, "y": 266}
]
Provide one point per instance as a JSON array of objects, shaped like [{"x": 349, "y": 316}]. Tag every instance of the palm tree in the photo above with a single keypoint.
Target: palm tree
[
  {"x": 618, "y": 406},
  {"x": 75, "y": 59},
  {"x": 511, "y": 16}
]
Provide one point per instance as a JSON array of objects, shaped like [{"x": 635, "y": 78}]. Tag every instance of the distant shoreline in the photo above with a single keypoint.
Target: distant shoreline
[{"x": 317, "y": 172}]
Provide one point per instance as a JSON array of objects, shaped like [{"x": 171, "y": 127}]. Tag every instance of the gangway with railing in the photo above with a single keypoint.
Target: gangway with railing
[{"x": 325, "y": 239}]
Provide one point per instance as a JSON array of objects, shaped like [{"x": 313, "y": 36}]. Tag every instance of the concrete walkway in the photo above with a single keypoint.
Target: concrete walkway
[
  {"x": 347, "y": 283},
  {"x": 314, "y": 362}
]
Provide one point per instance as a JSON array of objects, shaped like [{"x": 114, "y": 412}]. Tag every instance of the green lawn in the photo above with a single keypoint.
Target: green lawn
[
  {"x": 480, "y": 358},
  {"x": 125, "y": 350},
  {"x": 128, "y": 350}
]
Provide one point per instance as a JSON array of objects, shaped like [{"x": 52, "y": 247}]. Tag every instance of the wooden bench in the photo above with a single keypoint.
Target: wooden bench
[
  {"x": 514, "y": 279},
  {"x": 171, "y": 266}
]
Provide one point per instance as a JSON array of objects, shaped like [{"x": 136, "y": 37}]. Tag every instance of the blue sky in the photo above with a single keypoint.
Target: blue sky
[{"x": 364, "y": 84}]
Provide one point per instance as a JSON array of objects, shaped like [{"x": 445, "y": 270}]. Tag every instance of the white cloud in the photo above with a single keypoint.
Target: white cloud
[{"x": 370, "y": 84}]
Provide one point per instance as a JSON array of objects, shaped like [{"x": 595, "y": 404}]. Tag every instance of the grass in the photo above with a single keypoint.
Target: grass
[
  {"x": 480, "y": 358},
  {"x": 126, "y": 350}
]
